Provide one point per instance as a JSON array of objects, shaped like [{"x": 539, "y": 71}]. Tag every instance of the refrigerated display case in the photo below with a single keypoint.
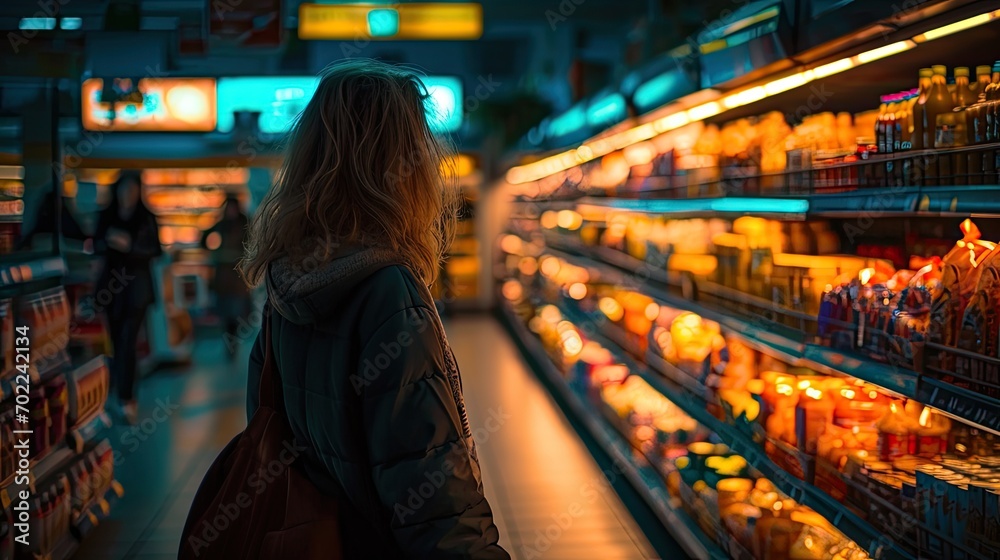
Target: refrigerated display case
[{"x": 730, "y": 292}]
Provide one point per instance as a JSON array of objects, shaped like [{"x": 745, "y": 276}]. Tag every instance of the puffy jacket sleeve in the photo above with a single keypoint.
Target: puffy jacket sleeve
[{"x": 420, "y": 446}]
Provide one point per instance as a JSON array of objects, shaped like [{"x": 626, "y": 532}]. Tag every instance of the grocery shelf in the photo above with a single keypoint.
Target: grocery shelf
[
  {"x": 52, "y": 368},
  {"x": 849, "y": 523},
  {"x": 646, "y": 480},
  {"x": 758, "y": 334},
  {"x": 960, "y": 403},
  {"x": 88, "y": 431},
  {"x": 52, "y": 461},
  {"x": 24, "y": 276},
  {"x": 963, "y": 404},
  {"x": 99, "y": 508},
  {"x": 897, "y": 201},
  {"x": 41, "y": 468}
]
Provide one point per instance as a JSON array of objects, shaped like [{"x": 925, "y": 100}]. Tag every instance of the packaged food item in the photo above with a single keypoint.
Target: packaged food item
[
  {"x": 980, "y": 327},
  {"x": 958, "y": 282},
  {"x": 894, "y": 434}
]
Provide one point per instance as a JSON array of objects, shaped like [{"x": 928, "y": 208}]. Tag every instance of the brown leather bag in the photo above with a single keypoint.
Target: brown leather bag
[{"x": 255, "y": 503}]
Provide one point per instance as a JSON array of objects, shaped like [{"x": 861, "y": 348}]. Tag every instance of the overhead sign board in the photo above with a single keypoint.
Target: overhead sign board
[
  {"x": 420, "y": 22},
  {"x": 167, "y": 105},
  {"x": 280, "y": 99}
]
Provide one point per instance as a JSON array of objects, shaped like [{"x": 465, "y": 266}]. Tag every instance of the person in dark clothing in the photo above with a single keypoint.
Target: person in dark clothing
[
  {"x": 128, "y": 237},
  {"x": 225, "y": 240},
  {"x": 347, "y": 242}
]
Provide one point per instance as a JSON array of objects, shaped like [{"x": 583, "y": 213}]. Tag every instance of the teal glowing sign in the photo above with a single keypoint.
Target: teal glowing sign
[
  {"x": 568, "y": 122},
  {"x": 383, "y": 22},
  {"x": 737, "y": 205},
  {"x": 280, "y": 99},
  {"x": 444, "y": 107},
  {"x": 607, "y": 110},
  {"x": 655, "y": 92}
]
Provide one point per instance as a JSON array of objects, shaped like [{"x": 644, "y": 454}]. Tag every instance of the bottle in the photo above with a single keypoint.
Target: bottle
[
  {"x": 939, "y": 102},
  {"x": 965, "y": 95},
  {"x": 904, "y": 121},
  {"x": 880, "y": 124},
  {"x": 990, "y": 114},
  {"x": 982, "y": 80},
  {"x": 920, "y": 111},
  {"x": 891, "y": 136},
  {"x": 990, "y": 108}
]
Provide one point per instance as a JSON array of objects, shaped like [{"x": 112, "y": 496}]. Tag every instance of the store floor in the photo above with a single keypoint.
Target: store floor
[{"x": 550, "y": 498}]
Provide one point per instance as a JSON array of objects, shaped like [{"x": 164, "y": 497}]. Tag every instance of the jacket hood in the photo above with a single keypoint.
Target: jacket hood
[{"x": 304, "y": 294}]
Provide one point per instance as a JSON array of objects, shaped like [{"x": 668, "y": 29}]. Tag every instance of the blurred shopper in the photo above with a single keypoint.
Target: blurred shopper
[
  {"x": 128, "y": 237},
  {"x": 347, "y": 242},
  {"x": 225, "y": 240}
]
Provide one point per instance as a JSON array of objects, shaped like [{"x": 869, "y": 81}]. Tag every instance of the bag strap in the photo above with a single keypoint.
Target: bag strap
[{"x": 269, "y": 390}]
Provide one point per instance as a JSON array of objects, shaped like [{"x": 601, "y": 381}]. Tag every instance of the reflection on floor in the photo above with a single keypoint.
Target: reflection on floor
[{"x": 550, "y": 498}]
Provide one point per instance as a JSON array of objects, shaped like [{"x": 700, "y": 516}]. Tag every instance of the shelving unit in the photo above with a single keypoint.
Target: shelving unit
[
  {"x": 20, "y": 279},
  {"x": 593, "y": 206},
  {"x": 640, "y": 473},
  {"x": 664, "y": 378}
]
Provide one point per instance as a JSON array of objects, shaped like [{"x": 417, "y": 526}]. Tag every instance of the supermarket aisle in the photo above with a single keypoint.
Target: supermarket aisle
[{"x": 550, "y": 497}]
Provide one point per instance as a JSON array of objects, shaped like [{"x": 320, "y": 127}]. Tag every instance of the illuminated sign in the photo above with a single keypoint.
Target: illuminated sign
[
  {"x": 422, "y": 21},
  {"x": 168, "y": 104},
  {"x": 279, "y": 100},
  {"x": 195, "y": 177},
  {"x": 444, "y": 108}
]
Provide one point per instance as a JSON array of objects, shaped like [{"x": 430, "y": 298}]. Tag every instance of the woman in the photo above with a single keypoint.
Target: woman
[
  {"x": 225, "y": 239},
  {"x": 347, "y": 242},
  {"x": 128, "y": 236}
]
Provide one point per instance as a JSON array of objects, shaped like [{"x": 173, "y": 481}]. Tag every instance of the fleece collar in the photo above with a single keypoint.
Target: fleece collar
[{"x": 304, "y": 294}]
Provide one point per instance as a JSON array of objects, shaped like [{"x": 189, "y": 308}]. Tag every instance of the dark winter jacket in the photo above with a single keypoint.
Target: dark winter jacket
[{"x": 374, "y": 399}]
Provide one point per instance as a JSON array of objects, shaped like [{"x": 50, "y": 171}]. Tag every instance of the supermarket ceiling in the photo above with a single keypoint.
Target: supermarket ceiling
[{"x": 493, "y": 10}]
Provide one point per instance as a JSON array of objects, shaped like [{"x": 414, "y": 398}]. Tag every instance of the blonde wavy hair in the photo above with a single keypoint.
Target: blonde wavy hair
[{"x": 362, "y": 168}]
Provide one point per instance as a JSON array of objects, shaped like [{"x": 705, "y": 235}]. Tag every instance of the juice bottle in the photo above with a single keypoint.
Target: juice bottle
[
  {"x": 880, "y": 125},
  {"x": 903, "y": 121},
  {"x": 961, "y": 124},
  {"x": 975, "y": 118},
  {"x": 965, "y": 95},
  {"x": 920, "y": 110},
  {"x": 982, "y": 80},
  {"x": 990, "y": 114},
  {"x": 939, "y": 101},
  {"x": 992, "y": 97},
  {"x": 891, "y": 138}
]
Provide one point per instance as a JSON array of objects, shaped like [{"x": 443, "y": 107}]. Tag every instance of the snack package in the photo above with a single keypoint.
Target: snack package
[{"x": 958, "y": 283}]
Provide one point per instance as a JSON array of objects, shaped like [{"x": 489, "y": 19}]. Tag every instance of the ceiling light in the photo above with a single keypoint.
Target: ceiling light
[
  {"x": 788, "y": 82},
  {"x": 955, "y": 27},
  {"x": 832, "y": 68},
  {"x": 885, "y": 51},
  {"x": 37, "y": 23},
  {"x": 744, "y": 97},
  {"x": 702, "y": 112}
]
